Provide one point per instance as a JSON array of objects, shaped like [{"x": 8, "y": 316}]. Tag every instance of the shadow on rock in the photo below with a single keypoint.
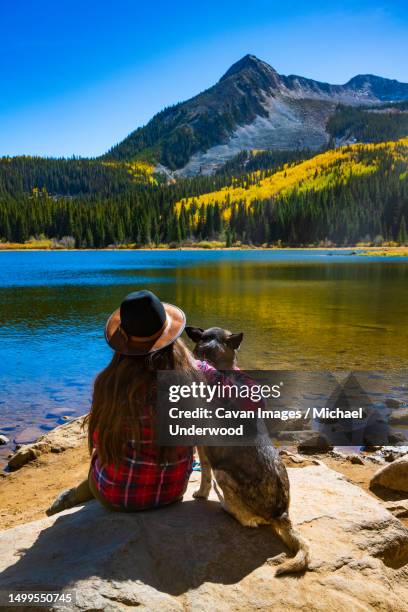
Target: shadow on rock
[{"x": 172, "y": 549}]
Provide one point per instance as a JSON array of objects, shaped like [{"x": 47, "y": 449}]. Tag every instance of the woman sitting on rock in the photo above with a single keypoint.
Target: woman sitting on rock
[{"x": 129, "y": 471}]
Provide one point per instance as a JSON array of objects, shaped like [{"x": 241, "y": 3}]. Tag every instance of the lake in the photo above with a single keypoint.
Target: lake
[{"x": 298, "y": 309}]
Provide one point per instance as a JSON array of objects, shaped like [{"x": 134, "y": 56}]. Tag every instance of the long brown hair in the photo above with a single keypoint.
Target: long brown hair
[{"x": 120, "y": 392}]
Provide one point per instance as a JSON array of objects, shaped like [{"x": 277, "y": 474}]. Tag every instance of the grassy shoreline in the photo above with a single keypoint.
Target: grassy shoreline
[{"x": 384, "y": 251}]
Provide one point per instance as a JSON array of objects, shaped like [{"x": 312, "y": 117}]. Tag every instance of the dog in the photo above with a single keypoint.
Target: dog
[{"x": 253, "y": 479}]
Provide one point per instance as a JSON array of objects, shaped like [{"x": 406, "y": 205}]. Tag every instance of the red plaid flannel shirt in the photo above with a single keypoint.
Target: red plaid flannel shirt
[{"x": 140, "y": 481}]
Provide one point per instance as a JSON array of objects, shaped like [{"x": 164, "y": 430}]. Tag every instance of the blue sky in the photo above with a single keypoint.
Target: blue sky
[{"x": 78, "y": 76}]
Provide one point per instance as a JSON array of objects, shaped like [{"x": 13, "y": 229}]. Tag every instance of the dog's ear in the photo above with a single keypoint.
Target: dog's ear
[
  {"x": 195, "y": 333},
  {"x": 234, "y": 341}
]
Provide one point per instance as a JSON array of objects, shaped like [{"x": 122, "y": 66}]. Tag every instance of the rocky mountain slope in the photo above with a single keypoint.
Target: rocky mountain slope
[{"x": 251, "y": 107}]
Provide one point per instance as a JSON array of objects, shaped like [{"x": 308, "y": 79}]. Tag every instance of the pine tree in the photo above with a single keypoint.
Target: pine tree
[
  {"x": 89, "y": 238},
  {"x": 217, "y": 220},
  {"x": 402, "y": 232},
  {"x": 209, "y": 223}
]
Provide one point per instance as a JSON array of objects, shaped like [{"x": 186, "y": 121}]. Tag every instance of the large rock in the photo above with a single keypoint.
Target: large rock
[
  {"x": 312, "y": 442},
  {"x": 393, "y": 476},
  {"x": 59, "y": 439},
  {"x": 193, "y": 556},
  {"x": 398, "y": 508},
  {"x": 399, "y": 417},
  {"x": 308, "y": 442}
]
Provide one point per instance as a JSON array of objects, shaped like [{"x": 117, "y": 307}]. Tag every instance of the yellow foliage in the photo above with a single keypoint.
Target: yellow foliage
[
  {"x": 139, "y": 170},
  {"x": 324, "y": 170},
  {"x": 29, "y": 245}
]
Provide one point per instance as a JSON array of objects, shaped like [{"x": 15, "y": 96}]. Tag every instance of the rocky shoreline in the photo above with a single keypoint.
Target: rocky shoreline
[{"x": 192, "y": 555}]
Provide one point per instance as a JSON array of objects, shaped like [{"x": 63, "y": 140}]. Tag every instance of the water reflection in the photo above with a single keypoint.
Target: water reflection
[{"x": 298, "y": 310}]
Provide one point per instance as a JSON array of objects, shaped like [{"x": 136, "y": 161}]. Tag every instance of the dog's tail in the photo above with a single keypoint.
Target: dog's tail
[{"x": 296, "y": 543}]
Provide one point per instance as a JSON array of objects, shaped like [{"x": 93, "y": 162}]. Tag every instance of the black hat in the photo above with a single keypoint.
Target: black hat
[{"x": 143, "y": 324}]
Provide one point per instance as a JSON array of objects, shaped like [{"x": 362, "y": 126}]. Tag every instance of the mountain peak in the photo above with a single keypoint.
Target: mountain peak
[
  {"x": 365, "y": 78},
  {"x": 251, "y": 107},
  {"x": 388, "y": 90},
  {"x": 248, "y": 62}
]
